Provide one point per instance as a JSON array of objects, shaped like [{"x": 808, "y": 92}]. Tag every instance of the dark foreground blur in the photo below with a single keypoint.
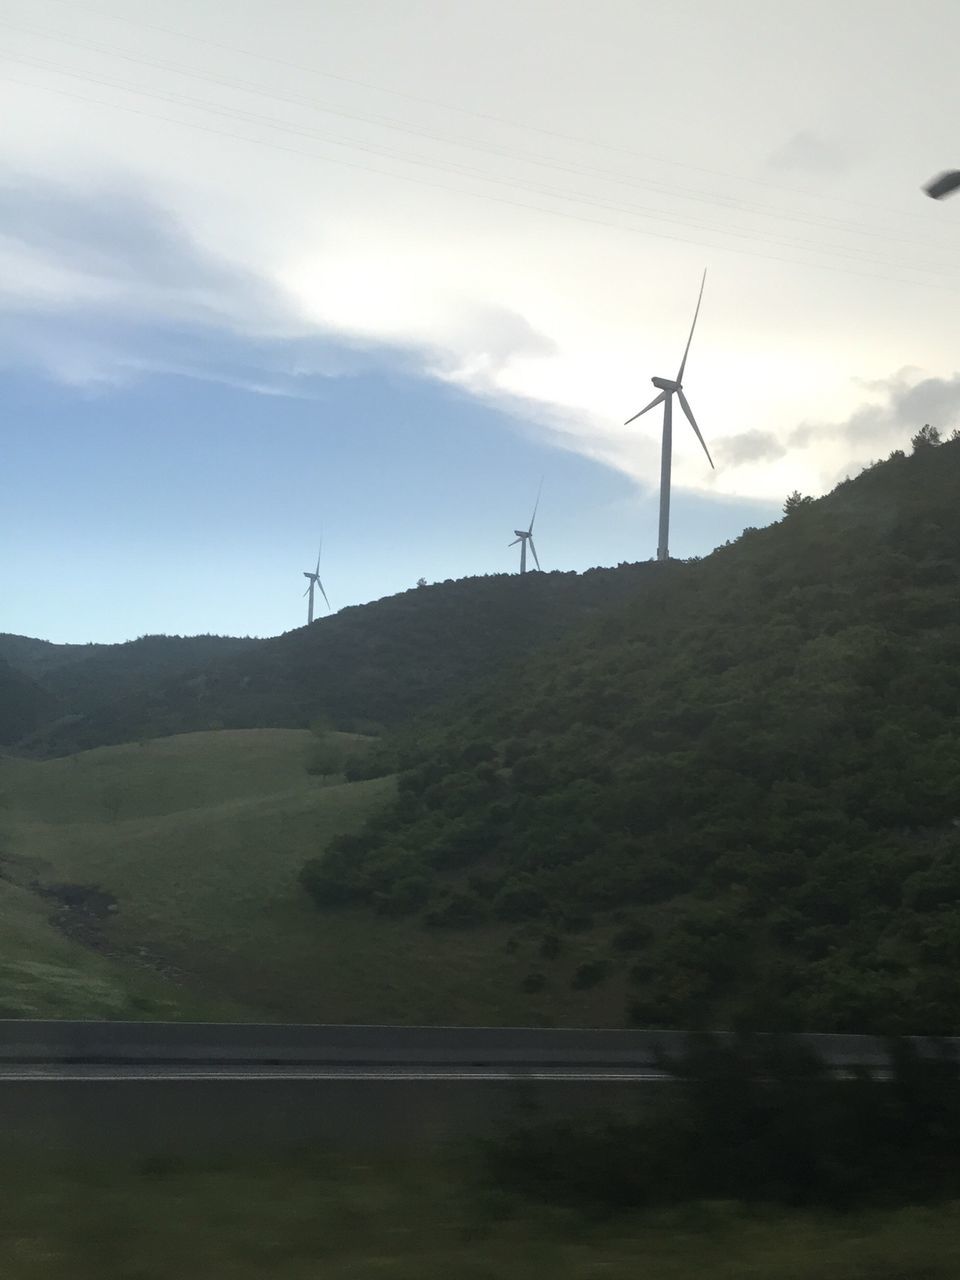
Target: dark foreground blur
[
  {"x": 306, "y": 1217},
  {"x": 755, "y": 1161}
]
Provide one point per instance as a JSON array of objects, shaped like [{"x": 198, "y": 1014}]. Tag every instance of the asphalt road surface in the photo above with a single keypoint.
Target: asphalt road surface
[
  {"x": 158, "y": 1050},
  {"x": 179, "y": 1089}
]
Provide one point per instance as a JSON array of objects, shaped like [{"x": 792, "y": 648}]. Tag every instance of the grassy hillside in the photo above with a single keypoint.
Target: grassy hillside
[
  {"x": 363, "y": 668},
  {"x": 198, "y": 841},
  {"x": 741, "y": 791},
  {"x": 45, "y": 975}
]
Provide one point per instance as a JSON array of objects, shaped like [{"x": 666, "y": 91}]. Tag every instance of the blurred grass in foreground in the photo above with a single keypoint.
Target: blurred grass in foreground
[{"x": 311, "y": 1217}]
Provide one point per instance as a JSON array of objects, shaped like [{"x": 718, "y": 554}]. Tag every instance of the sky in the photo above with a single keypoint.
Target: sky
[{"x": 368, "y": 272}]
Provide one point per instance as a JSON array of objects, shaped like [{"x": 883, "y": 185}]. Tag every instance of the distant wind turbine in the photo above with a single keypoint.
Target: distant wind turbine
[
  {"x": 668, "y": 389},
  {"x": 526, "y": 535},
  {"x": 314, "y": 582}
]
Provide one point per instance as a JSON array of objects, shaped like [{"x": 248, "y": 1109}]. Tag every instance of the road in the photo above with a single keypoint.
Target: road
[
  {"x": 182, "y": 1089},
  {"x": 74, "y": 1072},
  {"x": 158, "y": 1050}
]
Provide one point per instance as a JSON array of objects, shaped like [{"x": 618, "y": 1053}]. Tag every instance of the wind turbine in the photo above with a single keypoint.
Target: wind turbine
[
  {"x": 314, "y": 582},
  {"x": 668, "y": 389},
  {"x": 526, "y": 535}
]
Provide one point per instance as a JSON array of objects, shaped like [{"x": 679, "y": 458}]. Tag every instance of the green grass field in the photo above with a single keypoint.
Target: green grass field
[
  {"x": 200, "y": 838},
  {"x": 345, "y": 1221},
  {"x": 42, "y": 974}
]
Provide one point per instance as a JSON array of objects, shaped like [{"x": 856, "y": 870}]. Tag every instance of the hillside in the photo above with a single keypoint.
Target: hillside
[
  {"x": 363, "y": 668},
  {"x": 153, "y": 879},
  {"x": 24, "y": 705},
  {"x": 736, "y": 799},
  {"x": 68, "y": 682},
  {"x": 160, "y": 879},
  {"x": 36, "y": 658}
]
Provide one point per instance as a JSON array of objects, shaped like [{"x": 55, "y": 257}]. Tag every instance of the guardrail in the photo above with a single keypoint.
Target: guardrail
[{"x": 183, "y": 1043}]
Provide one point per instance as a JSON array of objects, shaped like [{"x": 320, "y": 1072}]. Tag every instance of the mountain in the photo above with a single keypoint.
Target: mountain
[
  {"x": 74, "y": 680},
  {"x": 24, "y": 705},
  {"x": 737, "y": 795},
  {"x": 361, "y": 669},
  {"x": 36, "y": 658}
]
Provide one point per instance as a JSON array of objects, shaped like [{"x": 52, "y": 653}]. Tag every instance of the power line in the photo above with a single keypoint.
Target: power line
[
  {"x": 717, "y": 200},
  {"x": 592, "y": 143},
  {"x": 455, "y": 190},
  {"x": 844, "y": 252}
]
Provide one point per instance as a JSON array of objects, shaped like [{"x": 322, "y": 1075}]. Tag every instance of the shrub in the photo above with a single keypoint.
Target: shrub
[
  {"x": 632, "y": 937},
  {"x": 460, "y": 911},
  {"x": 590, "y": 974}
]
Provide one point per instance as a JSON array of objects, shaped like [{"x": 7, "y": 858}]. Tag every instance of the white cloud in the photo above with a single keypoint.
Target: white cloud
[
  {"x": 558, "y": 306},
  {"x": 810, "y": 153}
]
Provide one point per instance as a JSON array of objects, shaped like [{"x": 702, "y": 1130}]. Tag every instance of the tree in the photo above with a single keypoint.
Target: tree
[
  {"x": 421, "y": 582},
  {"x": 795, "y": 501},
  {"x": 926, "y": 438}
]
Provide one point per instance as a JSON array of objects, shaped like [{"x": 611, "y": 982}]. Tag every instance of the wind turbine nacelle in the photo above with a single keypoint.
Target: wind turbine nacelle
[
  {"x": 521, "y": 533},
  {"x": 664, "y": 384}
]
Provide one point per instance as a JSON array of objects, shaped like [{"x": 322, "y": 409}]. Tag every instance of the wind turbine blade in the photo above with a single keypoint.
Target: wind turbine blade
[
  {"x": 534, "y": 550},
  {"x": 307, "y": 592},
  {"x": 686, "y": 350},
  {"x": 514, "y": 542},
  {"x": 535, "y": 505},
  {"x": 652, "y": 405},
  {"x": 317, "y": 570},
  {"x": 323, "y": 593},
  {"x": 693, "y": 422}
]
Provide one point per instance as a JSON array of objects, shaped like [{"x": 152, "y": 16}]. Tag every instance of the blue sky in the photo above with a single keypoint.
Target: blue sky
[
  {"x": 373, "y": 269},
  {"x": 176, "y": 504}
]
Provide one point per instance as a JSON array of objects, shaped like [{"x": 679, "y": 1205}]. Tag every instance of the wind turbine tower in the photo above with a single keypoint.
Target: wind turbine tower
[
  {"x": 669, "y": 388},
  {"x": 313, "y": 584},
  {"x": 526, "y": 535}
]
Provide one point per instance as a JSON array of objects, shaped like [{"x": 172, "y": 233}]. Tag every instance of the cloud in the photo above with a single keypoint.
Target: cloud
[
  {"x": 484, "y": 340},
  {"x": 113, "y": 251},
  {"x": 811, "y": 153},
  {"x": 814, "y": 455},
  {"x": 352, "y": 228},
  {"x": 905, "y": 406},
  {"x": 109, "y": 287},
  {"x": 749, "y": 446}
]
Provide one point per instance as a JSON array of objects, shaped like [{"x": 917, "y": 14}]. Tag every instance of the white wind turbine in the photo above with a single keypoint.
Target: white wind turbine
[
  {"x": 526, "y": 535},
  {"x": 668, "y": 389},
  {"x": 314, "y": 582}
]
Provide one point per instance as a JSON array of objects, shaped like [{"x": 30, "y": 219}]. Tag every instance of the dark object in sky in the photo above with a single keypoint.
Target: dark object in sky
[{"x": 943, "y": 185}]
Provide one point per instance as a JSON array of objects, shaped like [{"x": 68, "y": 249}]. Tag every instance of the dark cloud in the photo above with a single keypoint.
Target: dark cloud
[
  {"x": 749, "y": 446},
  {"x": 905, "y": 405},
  {"x": 157, "y": 301},
  {"x": 135, "y": 254},
  {"x": 808, "y": 152}
]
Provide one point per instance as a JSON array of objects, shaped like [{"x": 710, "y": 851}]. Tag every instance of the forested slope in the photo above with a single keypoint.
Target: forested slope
[
  {"x": 744, "y": 786},
  {"x": 363, "y": 668},
  {"x": 68, "y": 683},
  {"x": 23, "y": 704}
]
